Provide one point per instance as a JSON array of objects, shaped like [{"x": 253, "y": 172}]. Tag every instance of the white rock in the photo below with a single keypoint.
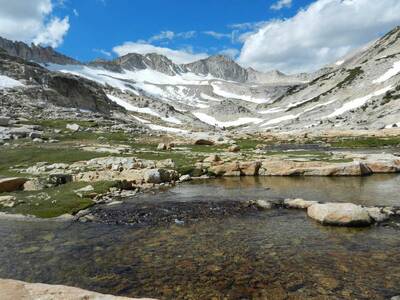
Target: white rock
[
  {"x": 377, "y": 214},
  {"x": 339, "y": 214},
  {"x": 299, "y": 203},
  {"x": 73, "y": 127},
  {"x": 185, "y": 178}
]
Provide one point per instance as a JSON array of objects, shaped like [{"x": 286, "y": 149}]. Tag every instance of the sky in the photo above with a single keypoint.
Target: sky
[{"x": 288, "y": 35}]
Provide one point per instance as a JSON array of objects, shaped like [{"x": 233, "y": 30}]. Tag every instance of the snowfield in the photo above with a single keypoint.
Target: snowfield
[
  {"x": 389, "y": 74},
  {"x": 214, "y": 122},
  {"x": 8, "y": 82},
  {"x": 356, "y": 103},
  {"x": 220, "y": 92}
]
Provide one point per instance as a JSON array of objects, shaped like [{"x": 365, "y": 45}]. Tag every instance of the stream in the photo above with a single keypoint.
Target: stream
[{"x": 273, "y": 254}]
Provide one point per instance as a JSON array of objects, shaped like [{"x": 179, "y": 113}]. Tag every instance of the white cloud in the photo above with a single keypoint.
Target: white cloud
[
  {"x": 218, "y": 35},
  {"x": 54, "y": 32},
  {"x": 181, "y": 56},
  {"x": 76, "y": 13},
  {"x": 170, "y": 35},
  {"x": 319, "y": 34},
  {"x": 230, "y": 52},
  {"x": 30, "y": 21},
  {"x": 281, "y": 4}
]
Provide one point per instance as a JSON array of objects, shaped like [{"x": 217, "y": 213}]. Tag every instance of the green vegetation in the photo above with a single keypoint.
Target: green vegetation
[
  {"x": 56, "y": 201},
  {"x": 29, "y": 155},
  {"x": 366, "y": 142},
  {"x": 61, "y": 124}
]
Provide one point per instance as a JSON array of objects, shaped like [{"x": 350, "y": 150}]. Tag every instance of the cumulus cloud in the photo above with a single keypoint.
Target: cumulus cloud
[
  {"x": 281, "y": 4},
  {"x": 230, "y": 52},
  {"x": 31, "y": 21},
  {"x": 54, "y": 32},
  {"x": 318, "y": 34},
  {"x": 181, "y": 56}
]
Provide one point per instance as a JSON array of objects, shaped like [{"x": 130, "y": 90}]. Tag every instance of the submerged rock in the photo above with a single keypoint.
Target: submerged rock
[{"x": 340, "y": 214}]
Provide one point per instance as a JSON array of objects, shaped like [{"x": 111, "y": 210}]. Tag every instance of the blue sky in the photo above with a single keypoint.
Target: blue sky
[
  {"x": 289, "y": 35},
  {"x": 105, "y": 24}
]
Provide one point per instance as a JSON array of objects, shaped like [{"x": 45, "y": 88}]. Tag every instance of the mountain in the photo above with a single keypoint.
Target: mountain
[
  {"x": 359, "y": 91},
  {"x": 35, "y": 53},
  {"x": 219, "y": 66}
]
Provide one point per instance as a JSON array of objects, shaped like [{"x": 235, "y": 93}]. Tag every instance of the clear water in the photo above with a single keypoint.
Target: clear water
[{"x": 279, "y": 254}]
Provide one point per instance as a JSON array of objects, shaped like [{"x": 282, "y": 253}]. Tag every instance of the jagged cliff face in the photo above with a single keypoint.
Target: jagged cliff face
[
  {"x": 360, "y": 91},
  {"x": 35, "y": 53},
  {"x": 39, "y": 84}
]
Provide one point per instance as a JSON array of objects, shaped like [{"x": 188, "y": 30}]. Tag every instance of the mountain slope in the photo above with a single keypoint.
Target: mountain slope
[{"x": 360, "y": 91}]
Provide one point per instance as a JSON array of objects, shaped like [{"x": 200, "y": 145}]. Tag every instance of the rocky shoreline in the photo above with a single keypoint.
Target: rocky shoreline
[{"x": 15, "y": 289}]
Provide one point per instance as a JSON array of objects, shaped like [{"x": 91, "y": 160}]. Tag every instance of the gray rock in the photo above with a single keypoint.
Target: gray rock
[
  {"x": 73, "y": 127},
  {"x": 59, "y": 179},
  {"x": 4, "y": 121},
  {"x": 339, "y": 214},
  {"x": 185, "y": 178},
  {"x": 299, "y": 203},
  {"x": 376, "y": 214},
  {"x": 7, "y": 201}
]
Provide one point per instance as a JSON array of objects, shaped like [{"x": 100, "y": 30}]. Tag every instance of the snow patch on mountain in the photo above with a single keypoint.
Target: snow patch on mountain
[
  {"x": 356, "y": 103},
  {"x": 214, "y": 122},
  {"x": 389, "y": 74},
  {"x": 7, "y": 82},
  {"x": 229, "y": 95}
]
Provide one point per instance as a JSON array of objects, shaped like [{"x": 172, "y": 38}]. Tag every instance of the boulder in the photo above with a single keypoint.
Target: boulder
[
  {"x": 33, "y": 185},
  {"x": 162, "y": 147},
  {"x": 14, "y": 290},
  {"x": 7, "y": 201},
  {"x": 4, "y": 121},
  {"x": 203, "y": 142},
  {"x": 339, "y": 214},
  {"x": 234, "y": 148},
  {"x": 11, "y": 184},
  {"x": 35, "y": 135},
  {"x": 312, "y": 168},
  {"x": 249, "y": 168},
  {"x": 261, "y": 204},
  {"x": 73, "y": 127},
  {"x": 377, "y": 214},
  {"x": 226, "y": 169},
  {"x": 59, "y": 179},
  {"x": 185, "y": 178},
  {"x": 298, "y": 203},
  {"x": 212, "y": 158}
]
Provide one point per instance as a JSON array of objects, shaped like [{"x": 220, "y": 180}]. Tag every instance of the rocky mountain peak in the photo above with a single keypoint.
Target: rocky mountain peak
[
  {"x": 219, "y": 66},
  {"x": 35, "y": 53}
]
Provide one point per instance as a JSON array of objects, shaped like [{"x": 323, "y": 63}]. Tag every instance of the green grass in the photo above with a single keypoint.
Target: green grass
[
  {"x": 366, "y": 142},
  {"x": 53, "y": 202},
  {"x": 30, "y": 155},
  {"x": 61, "y": 124}
]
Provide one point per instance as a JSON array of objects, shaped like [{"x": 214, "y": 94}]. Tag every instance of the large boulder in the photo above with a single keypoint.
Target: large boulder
[
  {"x": 4, "y": 121},
  {"x": 312, "y": 168},
  {"x": 203, "y": 142},
  {"x": 15, "y": 290},
  {"x": 11, "y": 184},
  {"x": 249, "y": 168},
  {"x": 339, "y": 214}
]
